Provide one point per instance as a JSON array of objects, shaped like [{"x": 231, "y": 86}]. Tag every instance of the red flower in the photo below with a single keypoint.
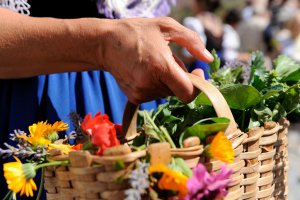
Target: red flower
[
  {"x": 102, "y": 130},
  {"x": 118, "y": 129}
]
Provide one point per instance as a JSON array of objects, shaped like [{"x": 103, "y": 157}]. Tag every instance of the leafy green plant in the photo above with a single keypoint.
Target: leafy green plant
[{"x": 268, "y": 95}]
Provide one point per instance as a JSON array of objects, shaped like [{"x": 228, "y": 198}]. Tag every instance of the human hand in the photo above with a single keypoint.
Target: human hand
[{"x": 137, "y": 53}]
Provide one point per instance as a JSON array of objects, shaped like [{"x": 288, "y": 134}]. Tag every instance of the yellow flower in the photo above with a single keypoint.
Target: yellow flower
[
  {"x": 65, "y": 148},
  {"x": 19, "y": 177},
  {"x": 170, "y": 180},
  {"x": 157, "y": 168},
  {"x": 221, "y": 148},
  {"x": 37, "y": 134},
  {"x": 59, "y": 126},
  {"x": 43, "y": 133}
]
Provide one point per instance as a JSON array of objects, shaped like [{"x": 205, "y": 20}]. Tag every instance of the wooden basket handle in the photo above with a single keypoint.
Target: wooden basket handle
[{"x": 216, "y": 98}]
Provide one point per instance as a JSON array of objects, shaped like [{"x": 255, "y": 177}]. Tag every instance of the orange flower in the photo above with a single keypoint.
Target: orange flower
[
  {"x": 221, "y": 148},
  {"x": 77, "y": 147},
  {"x": 170, "y": 180},
  {"x": 59, "y": 126}
]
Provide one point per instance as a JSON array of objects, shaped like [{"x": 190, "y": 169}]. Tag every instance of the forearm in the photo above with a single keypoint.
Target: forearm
[{"x": 33, "y": 46}]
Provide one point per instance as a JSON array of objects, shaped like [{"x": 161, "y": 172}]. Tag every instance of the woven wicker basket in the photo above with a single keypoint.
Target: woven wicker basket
[{"x": 259, "y": 168}]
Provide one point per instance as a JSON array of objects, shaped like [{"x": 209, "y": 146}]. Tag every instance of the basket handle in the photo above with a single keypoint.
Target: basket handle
[{"x": 216, "y": 98}]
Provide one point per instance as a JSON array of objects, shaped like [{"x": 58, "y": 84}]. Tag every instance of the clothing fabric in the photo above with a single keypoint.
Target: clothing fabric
[
  {"x": 52, "y": 97},
  {"x": 231, "y": 43},
  {"x": 133, "y": 8}
]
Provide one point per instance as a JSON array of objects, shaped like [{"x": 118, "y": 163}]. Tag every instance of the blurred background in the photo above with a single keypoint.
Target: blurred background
[{"x": 234, "y": 28}]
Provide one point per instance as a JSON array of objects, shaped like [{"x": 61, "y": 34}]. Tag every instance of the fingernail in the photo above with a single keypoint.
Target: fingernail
[{"x": 208, "y": 55}]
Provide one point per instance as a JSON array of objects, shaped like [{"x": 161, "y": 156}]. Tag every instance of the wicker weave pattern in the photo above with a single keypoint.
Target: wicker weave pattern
[{"x": 259, "y": 169}]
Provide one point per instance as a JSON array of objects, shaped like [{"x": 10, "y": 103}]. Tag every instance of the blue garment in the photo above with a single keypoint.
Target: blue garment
[
  {"x": 52, "y": 97},
  {"x": 199, "y": 64}
]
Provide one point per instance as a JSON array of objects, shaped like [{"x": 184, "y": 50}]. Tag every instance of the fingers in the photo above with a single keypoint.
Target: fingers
[
  {"x": 198, "y": 72},
  {"x": 174, "y": 32},
  {"x": 180, "y": 63},
  {"x": 178, "y": 82}
]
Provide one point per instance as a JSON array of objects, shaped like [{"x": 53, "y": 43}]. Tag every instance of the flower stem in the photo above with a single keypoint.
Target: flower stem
[
  {"x": 41, "y": 186},
  {"x": 243, "y": 120},
  {"x": 52, "y": 163},
  {"x": 151, "y": 122},
  {"x": 167, "y": 136},
  {"x": 8, "y": 195}
]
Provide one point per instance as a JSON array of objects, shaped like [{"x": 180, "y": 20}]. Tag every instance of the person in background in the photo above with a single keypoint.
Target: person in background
[
  {"x": 231, "y": 39},
  {"x": 292, "y": 45},
  {"x": 252, "y": 31},
  {"x": 209, "y": 27},
  {"x": 247, "y": 11}
]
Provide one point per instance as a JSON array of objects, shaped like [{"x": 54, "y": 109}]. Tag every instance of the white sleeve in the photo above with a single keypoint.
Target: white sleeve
[
  {"x": 19, "y": 6},
  {"x": 195, "y": 25}
]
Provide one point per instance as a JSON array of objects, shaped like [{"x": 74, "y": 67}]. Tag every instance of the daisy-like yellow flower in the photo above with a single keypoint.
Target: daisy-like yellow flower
[
  {"x": 52, "y": 133},
  {"x": 43, "y": 133},
  {"x": 19, "y": 177},
  {"x": 37, "y": 134},
  {"x": 59, "y": 126},
  {"x": 170, "y": 180},
  {"x": 221, "y": 148},
  {"x": 65, "y": 148}
]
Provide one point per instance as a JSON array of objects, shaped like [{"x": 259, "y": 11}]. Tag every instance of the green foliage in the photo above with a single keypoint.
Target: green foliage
[
  {"x": 215, "y": 65},
  {"x": 119, "y": 165},
  {"x": 240, "y": 97},
  {"x": 267, "y": 96},
  {"x": 205, "y": 128},
  {"x": 287, "y": 69}
]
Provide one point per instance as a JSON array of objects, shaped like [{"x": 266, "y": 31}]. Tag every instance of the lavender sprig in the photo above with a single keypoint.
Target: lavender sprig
[
  {"x": 138, "y": 180},
  {"x": 15, "y": 136},
  {"x": 23, "y": 151}
]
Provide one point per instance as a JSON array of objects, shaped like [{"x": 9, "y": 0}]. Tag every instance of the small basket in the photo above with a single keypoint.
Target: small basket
[{"x": 259, "y": 168}]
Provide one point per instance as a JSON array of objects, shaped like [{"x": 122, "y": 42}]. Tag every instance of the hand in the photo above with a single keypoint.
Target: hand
[{"x": 138, "y": 55}]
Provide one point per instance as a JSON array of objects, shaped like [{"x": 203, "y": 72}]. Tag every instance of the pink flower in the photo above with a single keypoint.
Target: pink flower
[{"x": 208, "y": 186}]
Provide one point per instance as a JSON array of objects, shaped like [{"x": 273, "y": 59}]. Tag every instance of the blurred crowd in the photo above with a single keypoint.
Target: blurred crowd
[{"x": 271, "y": 26}]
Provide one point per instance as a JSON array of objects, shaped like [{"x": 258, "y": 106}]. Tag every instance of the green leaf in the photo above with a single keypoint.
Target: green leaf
[
  {"x": 180, "y": 165},
  {"x": 240, "y": 97},
  {"x": 119, "y": 165},
  {"x": 294, "y": 76},
  {"x": 291, "y": 98},
  {"x": 270, "y": 94},
  {"x": 278, "y": 112},
  {"x": 215, "y": 65},
  {"x": 258, "y": 70},
  {"x": 205, "y": 128},
  {"x": 286, "y": 68}
]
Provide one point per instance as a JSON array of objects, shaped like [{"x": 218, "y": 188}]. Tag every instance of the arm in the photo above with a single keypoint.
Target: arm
[
  {"x": 33, "y": 46},
  {"x": 135, "y": 51}
]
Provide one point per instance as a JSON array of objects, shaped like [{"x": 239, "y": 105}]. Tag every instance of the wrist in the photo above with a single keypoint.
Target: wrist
[{"x": 90, "y": 36}]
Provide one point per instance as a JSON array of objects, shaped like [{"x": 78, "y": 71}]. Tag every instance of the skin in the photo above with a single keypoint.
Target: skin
[{"x": 135, "y": 51}]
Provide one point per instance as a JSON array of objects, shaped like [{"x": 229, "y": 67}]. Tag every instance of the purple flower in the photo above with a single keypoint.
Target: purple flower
[
  {"x": 135, "y": 8},
  {"x": 208, "y": 186}
]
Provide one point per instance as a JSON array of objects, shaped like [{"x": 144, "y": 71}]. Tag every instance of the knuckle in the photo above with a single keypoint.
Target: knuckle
[
  {"x": 168, "y": 21},
  {"x": 194, "y": 35}
]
